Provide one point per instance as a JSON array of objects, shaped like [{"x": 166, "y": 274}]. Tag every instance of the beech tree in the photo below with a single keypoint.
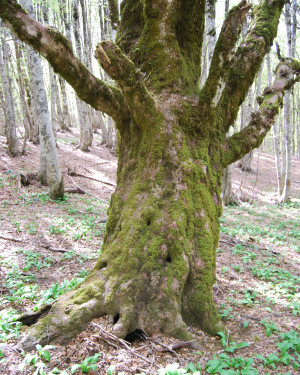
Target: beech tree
[{"x": 157, "y": 267}]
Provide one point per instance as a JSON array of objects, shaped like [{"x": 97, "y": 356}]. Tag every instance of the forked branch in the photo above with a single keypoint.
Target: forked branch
[
  {"x": 239, "y": 144},
  {"x": 129, "y": 78},
  {"x": 223, "y": 53},
  {"x": 52, "y": 45},
  {"x": 248, "y": 59}
]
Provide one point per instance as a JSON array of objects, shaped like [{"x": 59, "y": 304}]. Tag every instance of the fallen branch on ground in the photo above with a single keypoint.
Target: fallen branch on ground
[
  {"x": 92, "y": 178},
  {"x": 76, "y": 190},
  {"x": 84, "y": 192},
  {"x": 11, "y": 239},
  {"x": 54, "y": 249},
  {"x": 112, "y": 340}
]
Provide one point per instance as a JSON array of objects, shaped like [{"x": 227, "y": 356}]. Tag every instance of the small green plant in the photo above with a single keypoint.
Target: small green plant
[
  {"x": 295, "y": 307},
  {"x": 56, "y": 229},
  {"x": 32, "y": 228},
  {"x": 224, "y": 270},
  {"x": 249, "y": 297},
  {"x": 238, "y": 268},
  {"x": 44, "y": 351},
  {"x": 233, "y": 346},
  {"x": 225, "y": 312},
  {"x": 9, "y": 327},
  {"x": 89, "y": 363},
  {"x": 226, "y": 365},
  {"x": 270, "y": 327}
]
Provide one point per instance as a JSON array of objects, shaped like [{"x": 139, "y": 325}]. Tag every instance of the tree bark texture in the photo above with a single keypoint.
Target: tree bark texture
[
  {"x": 157, "y": 266},
  {"x": 10, "y": 118}
]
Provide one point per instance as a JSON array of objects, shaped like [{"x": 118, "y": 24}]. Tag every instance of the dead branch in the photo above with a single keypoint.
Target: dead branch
[
  {"x": 93, "y": 179},
  {"x": 54, "y": 249},
  {"x": 166, "y": 348},
  {"x": 11, "y": 239},
  {"x": 108, "y": 337},
  {"x": 76, "y": 190},
  {"x": 85, "y": 192}
]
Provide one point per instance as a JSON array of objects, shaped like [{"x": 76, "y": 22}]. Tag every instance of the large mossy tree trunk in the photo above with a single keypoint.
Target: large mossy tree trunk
[{"x": 157, "y": 267}]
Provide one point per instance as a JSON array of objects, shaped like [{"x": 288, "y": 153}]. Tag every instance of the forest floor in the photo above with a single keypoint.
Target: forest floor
[{"x": 46, "y": 248}]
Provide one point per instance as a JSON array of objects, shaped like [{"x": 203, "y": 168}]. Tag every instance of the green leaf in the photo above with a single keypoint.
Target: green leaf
[{"x": 214, "y": 366}]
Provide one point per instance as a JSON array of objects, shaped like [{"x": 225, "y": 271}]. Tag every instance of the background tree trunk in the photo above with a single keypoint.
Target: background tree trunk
[
  {"x": 10, "y": 119},
  {"x": 54, "y": 176}
]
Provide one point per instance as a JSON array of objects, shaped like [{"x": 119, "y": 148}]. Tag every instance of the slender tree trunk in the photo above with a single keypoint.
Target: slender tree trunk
[
  {"x": 291, "y": 31},
  {"x": 28, "y": 125},
  {"x": 10, "y": 120},
  {"x": 66, "y": 124},
  {"x": 54, "y": 116},
  {"x": 54, "y": 176},
  {"x": 86, "y": 133}
]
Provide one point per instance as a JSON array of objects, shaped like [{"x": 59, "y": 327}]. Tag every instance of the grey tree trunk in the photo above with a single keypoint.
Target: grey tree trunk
[
  {"x": 28, "y": 125},
  {"x": 66, "y": 124},
  {"x": 47, "y": 144},
  {"x": 245, "y": 162},
  {"x": 86, "y": 133},
  {"x": 291, "y": 37},
  {"x": 52, "y": 101},
  {"x": 10, "y": 120}
]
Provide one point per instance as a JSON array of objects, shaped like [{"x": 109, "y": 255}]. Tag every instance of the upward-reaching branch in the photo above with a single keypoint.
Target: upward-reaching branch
[
  {"x": 57, "y": 50},
  {"x": 251, "y": 136},
  {"x": 223, "y": 53},
  {"x": 130, "y": 80},
  {"x": 248, "y": 58}
]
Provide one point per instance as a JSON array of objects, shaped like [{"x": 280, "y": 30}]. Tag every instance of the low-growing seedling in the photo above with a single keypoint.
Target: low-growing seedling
[
  {"x": 249, "y": 297},
  {"x": 232, "y": 346},
  {"x": 89, "y": 363},
  {"x": 44, "y": 351},
  {"x": 225, "y": 312},
  {"x": 270, "y": 327},
  {"x": 226, "y": 365}
]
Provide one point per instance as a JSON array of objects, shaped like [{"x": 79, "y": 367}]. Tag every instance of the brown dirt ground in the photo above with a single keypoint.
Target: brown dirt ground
[{"x": 19, "y": 210}]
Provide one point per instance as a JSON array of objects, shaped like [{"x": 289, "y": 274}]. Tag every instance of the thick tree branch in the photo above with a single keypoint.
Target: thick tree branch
[
  {"x": 114, "y": 13},
  {"x": 128, "y": 36},
  {"x": 189, "y": 28},
  {"x": 252, "y": 136},
  {"x": 57, "y": 50},
  {"x": 248, "y": 58},
  {"x": 223, "y": 53},
  {"x": 130, "y": 80}
]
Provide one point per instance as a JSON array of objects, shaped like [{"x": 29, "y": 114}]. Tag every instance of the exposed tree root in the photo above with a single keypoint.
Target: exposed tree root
[{"x": 100, "y": 295}]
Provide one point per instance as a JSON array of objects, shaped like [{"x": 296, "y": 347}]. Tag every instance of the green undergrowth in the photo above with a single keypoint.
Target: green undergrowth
[
  {"x": 227, "y": 362},
  {"x": 271, "y": 224}
]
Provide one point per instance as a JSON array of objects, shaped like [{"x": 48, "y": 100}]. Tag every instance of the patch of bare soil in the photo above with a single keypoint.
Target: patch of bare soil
[
  {"x": 51, "y": 242},
  {"x": 260, "y": 185}
]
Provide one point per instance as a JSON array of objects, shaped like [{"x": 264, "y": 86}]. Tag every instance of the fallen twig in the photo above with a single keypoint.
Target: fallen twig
[
  {"x": 108, "y": 335},
  {"x": 54, "y": 249},
  {"x": 11, "y": 239},
  {"x": 84, "y": 192},
  {"x": 94, "y": 179},
  {"x": 166, "y": 347}
]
